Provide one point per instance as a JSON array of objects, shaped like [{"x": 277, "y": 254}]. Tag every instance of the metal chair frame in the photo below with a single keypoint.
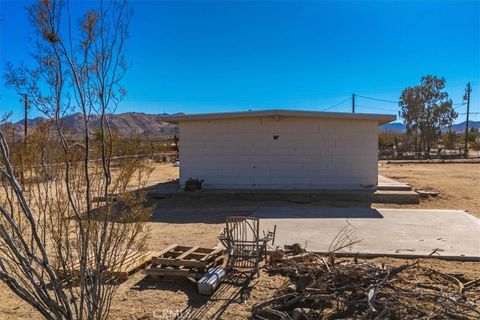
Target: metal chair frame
[{"x": 245, "y": 247}]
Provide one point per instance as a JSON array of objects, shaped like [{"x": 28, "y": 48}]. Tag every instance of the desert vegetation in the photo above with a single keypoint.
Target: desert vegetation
[
  {"x": 66, "y": 207},
  {"x": 428, "y": 114}
]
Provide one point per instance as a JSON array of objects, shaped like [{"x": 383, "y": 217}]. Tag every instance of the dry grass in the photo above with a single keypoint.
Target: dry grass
[{"x": 197, "y": 222}]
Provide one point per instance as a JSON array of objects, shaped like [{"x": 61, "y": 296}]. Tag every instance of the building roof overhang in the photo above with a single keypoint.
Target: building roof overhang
[{"x": 379, "y": 118}]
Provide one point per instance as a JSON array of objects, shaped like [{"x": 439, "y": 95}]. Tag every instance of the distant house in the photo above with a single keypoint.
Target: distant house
[{"x": 280, "y": 149}]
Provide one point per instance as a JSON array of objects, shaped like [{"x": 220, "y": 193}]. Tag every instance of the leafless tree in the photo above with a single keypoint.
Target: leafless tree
[{"x": 56, "y": 241}]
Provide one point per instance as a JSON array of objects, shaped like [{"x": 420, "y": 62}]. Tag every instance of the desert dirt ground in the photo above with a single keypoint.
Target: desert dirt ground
[
  {"x": 458, "y": 184},
  {"x": 198, "y": 222}
]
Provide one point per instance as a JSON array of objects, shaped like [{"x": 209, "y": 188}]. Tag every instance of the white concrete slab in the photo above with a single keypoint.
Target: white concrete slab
[
  {"x": 385, "y": 183},
  {"x": 382, "y": 231}
]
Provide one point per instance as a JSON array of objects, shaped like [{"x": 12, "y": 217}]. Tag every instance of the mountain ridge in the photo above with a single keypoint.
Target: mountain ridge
[
  {"x": 145, "y": 125},
  {"x": 152, "y": 126}
]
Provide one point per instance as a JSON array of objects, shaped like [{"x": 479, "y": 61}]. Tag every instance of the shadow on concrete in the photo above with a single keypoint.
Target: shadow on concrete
[
  {"x": 208, "y": 207},
  {"x": 318, "y": 213}
]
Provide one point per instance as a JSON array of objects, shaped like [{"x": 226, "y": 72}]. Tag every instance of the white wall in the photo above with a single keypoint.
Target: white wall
[{"x": 310, "y": 153}]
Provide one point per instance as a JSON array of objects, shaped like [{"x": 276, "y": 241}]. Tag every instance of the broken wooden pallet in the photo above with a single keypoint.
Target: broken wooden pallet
[
  {"x": 188, "y": 257},
  {"x": 133, "y": 262},
  {"x": 178, "y": 261},
  {"x": 173, "y": 274}
]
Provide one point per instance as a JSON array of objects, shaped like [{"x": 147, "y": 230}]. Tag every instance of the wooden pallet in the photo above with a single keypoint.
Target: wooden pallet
[
  {"x": 188, "y": 257},
  {"x": 133, "y": 262},
  {"x": 184, "y": 261}
]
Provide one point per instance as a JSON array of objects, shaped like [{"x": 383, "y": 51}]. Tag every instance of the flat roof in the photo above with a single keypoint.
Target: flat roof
[{"x": 379, "y": 118}]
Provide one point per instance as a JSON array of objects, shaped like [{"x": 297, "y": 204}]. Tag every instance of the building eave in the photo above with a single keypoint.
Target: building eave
[{"x": 379, "y": 118}]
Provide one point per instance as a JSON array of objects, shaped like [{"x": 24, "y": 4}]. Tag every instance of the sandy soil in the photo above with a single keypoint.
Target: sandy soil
[
  {"x": 198, "y": 222},
  {"x": 163, "y": 173},
  {"x": 458, "y": 184}
]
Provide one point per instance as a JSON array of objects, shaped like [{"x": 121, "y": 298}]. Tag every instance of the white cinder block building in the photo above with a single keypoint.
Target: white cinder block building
[{"x": 280, "y": 149}]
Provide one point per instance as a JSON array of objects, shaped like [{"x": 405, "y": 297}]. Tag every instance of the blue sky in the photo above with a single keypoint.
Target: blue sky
[{"x": 234, "y": 55}]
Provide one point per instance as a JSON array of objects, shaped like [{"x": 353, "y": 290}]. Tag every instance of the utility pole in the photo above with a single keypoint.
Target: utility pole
[
  {"x": 467, "y": 97},
  {"x": 353, "y": 102},
  {"x": 25, "y": 104}
]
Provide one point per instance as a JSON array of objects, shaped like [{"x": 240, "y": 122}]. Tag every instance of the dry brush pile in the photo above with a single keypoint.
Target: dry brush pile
[{"x": 322, "y": 287}]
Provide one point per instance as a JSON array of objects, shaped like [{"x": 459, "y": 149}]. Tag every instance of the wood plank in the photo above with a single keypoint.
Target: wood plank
[
  {"x": 169, "y": 272},
  {"x": 195, "y": 256},
  {"x": 186, "y": 253},
  {"x": 124, "y": 272},
  {"x": 169, "y": 248},
  {"x": 144, "y": 258},
  {"x": 212, "y": 254},
  {"x": 131, "y": 257},
  {"x": 132, "y": 262},
  {"x": 183, "y": 248},
  {"x": 205, "y": 250},
  {"x": 180, "y": 263}
]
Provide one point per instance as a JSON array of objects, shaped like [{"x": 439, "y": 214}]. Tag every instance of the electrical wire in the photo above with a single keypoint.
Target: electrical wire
[
  {"x": 376, "y": 99},
  {"x": 336, "y": 105},
  {"x": 375, "y": 108},
  {"x": 458, "y": 106}
]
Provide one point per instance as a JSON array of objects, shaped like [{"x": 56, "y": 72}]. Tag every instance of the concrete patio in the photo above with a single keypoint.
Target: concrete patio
[{"x": 383, "y": 232}]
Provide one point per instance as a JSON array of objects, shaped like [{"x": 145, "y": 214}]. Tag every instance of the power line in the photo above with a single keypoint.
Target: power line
[
  {"x": 336, "y": 105},
  {"x": 376, "y": 108},
  {"x": 376, "y": 99},
  {"x": 380, "y": 107}
]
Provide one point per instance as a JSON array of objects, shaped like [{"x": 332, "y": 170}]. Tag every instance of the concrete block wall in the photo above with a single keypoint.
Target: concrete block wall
[{"x": 279, "y": 153}]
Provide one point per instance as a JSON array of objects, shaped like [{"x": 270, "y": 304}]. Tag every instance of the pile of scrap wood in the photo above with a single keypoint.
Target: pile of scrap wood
[{"x": 323, "y": 287}]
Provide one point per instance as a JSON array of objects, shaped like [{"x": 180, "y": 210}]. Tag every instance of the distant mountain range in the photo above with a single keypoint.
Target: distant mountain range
[
  {"x": 151, "y": 126},
  {"x": 130, "y": 123},
  {"x": 400, "y": 127}
]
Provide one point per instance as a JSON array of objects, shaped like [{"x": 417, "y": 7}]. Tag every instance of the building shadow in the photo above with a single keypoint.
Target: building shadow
[
  {"x": 163, "y": 189},
  {"x": 196, "y": 215},
  {"x": 212, "y": 207},
  {"x": 318, "y": 213}
]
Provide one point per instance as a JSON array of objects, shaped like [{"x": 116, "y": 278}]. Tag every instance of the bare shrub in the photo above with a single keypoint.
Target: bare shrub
[{"x": 56, "y": 242}]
